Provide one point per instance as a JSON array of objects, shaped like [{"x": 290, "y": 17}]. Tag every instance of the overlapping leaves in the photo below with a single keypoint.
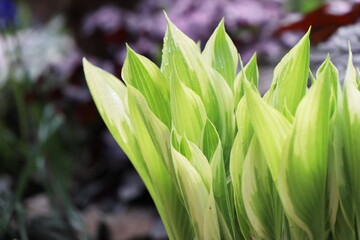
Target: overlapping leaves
[{"x": 222, "y": 162}]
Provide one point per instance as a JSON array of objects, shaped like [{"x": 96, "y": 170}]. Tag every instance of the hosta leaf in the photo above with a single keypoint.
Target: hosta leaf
[
  {"x": 351, "y": 130},
  {"x": 332, "y": 187},
  {"x": 224, "y": 228},
  {"x": 110, "y": 96},
  {"x": 342, "y": 224},
  {"x": 209, "y": 140},
  {"x": 145, "y": 76},
  {"x": 211, "y": 143},
  {"x": 146, "y": 123},
  {"x": 245, "y": 128},
  {"x": 303, "y": 175},
  {"x": 200, "y": 163},
  {"x": 211, "y": 225},
  {"x": 188, "y": 112},
  {"x": 345, "y": 218},
  {"x": 262, "y": 203},
  {"x": 312, "y": 78},
  {"x": 335, "y": 158},
  {"x": 237, "y": 158},
  {"x": 221, "y": 53},
  {"x": 182, "y": 62},
  {"x": 224, "y": 104},
  {"x": 290, "y": 77},
  {"x": 342, "y": 230},
  {"x": 195, "y": 195},
  {"x": 236, "y": 170},
  {"x": 345, "y": 194},
  {"x": 271, "y": 128},
  {"x": 153, "y": 137},
  {"x": 251, "y": 74}
]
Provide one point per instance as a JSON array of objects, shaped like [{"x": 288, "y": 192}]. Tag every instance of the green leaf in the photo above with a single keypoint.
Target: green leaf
[
  {"x": 195, "y": 156},
  {"x": 187, "y": 110},
  {"x": 182, "y": 62},
  {"x": 251, "y": 74},
  {"x": 146, "y": 77},
  {"x": 261, "y": 201},
  {"x": 332, "y": 185},
  {"x": 196, "y": 196},
  {"x": 209, "y": 140},
  {"x": 303, "y": 174},
  {"x": 347, "y": 215},
  {"x": 335, "y": 169},
  {"x": 290, "y": 77},
  {"x": 237, "y": 158},
  {"x": 225, "y": 232},
  {"x": 244, "y": 126},
  {"x": 271, "y": 129},
  {"x": 236, "y": 170},
  {"x": 221, "y": 53},
  {"x": 342, "y": 230},
  {"x": 351, "y": 130},
  {"x": 153, "y": 137},
  {"x": 110, "y": 96},
  {"x": 146, "y": 123},
  {"x": 200, "y": 163},
  {"x": 223, "y": 103},
  {"x": 212, "y": 146},
  {"x": 211, "y": 225}
]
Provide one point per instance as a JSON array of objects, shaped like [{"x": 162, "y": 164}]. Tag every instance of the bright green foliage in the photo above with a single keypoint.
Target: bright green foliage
[
  {"x": 220, "y": 52},
  {"x": 223, "y": 162},
  {"x": 290, "y": 78}
]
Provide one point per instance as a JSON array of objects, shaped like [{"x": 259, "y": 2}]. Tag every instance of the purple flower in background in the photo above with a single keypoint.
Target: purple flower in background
[
  {"x": 249, "y": 22},
  {"x": 250, "y": 13},
  {"x": 7, "y": 12},
  {"x": 196, "y": 18},
  {"x": 108, "y": 18}
]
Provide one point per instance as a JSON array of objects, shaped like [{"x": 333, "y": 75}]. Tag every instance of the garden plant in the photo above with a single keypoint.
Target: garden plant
[{"x": 223, "y": 162}]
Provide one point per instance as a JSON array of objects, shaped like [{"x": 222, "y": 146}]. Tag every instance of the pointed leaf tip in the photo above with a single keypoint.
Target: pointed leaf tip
[
  {"x": 129, "y": 51},
  {"x": 128, "y": 48},
  {"x": 222, "y": 24},
  {"x": 241, "y": 62},
  {"x": 85, "y": 62},
  {"x": 167, "y": 17},
  {"x": 349, "y": 51}
]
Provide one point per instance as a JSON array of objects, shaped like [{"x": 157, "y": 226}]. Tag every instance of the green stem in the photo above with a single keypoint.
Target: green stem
[
  {"x": 22, "y": 222},
  {"x": 24, "y": 178},
  {"x": 21, "y": 110},
  {"x": 23, "y": 146}
]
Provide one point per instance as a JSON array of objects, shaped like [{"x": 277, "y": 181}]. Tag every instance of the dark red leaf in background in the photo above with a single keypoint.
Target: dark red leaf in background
[{"x": 323, "y": 22}]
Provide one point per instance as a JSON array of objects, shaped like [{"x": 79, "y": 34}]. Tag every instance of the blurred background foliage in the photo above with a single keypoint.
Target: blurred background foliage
[{"x": 62, "y": 176}]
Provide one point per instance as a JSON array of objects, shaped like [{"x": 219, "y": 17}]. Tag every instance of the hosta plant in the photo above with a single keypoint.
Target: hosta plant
[{"x": 222, "y": 162}]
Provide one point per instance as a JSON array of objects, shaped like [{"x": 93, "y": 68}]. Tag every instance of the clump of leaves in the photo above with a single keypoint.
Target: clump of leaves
[{"x": 222, "y": 162}]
